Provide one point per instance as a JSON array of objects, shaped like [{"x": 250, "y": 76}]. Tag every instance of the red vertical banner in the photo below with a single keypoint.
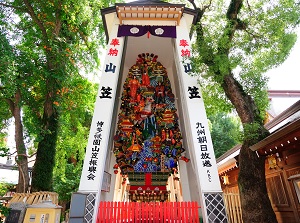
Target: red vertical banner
[
  {"x": 138, "y": 212},
  {"x": 190, "y": 212},
  {"x": 99, "y": 214},
  {"x": 183, "y": 211},
  {"x": 146, "y": 212},
  {"x": 150, "y": 211},
  {"x": 171, "y": 215},
  {"x": 168, "y": 211},
  {"x": 106, "y": 212},
  {"x": 103, "y": 212},
  {"x": 115, "y": 214},
  {"x": 155, "y": 212},
  {"x": 112, "y": 210},
  {"x": 195, "y": 209},
  {"x": 188, "y": 216},
  {"x": 196, "y": 212},
  {"x": 174, "y": 210},
  {"x": 132, "y": 211},
  {"x": 159, "y": 212},
  {"x": 163, "y": 212},
  {"x": 119, "y": 212},
  {"x": 178, "y": 210},
  {"x": 193, "y": 212},
  {"x": 143, "y": 212},
  {"x": 127, "y": 210},
  {"x": 164, "y": 208},
  {"x": 183, "y": 206},
  {"x": 115, "y": 211},
  {"x": 124, "y": 210}
]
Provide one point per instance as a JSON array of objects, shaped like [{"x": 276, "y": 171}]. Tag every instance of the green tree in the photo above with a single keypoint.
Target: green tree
[
  {"x": 225, "y": 132},
  {"x": 4, "y": 187},
  {"x": 10, "y": 97},
  {"x": 57, "y": 39},
  {"x": 236, "y": 42},
  {"x": 73, "y": 135},
  {"x": 5, "y": 56}
]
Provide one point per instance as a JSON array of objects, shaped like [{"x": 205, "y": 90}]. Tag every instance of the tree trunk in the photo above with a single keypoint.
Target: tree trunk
[
  {"x": 45, "y": 158},
  {"x": 21, "y": 159},
  {"x": 42, "y": 173},
  {"x": 256, "y": 206}
]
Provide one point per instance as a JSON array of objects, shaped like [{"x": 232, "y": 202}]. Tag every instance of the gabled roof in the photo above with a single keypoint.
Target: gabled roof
[
  {"x": 149, "y": 3},
  {"x": 285, "y": 135},
  {"x": 158, "y": 11},
  {"x": 228, "y": 160},
  {"x": 147, "y": 10},
  {"x": 284, "y": 117},
  {"x": 285, "y": 132}
]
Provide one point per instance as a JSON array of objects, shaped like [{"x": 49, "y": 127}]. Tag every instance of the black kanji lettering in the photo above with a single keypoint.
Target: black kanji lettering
[
  {"x": 91, "y": 176},
  {"x": 110, "y": 68},
  {"x": 206, "y": 163},
  {"x": 105, "y": 92},
  {"x": 187, "y": 68},
  {"x": 205, "y": 156},
  {"x": 194, "y": 92}
]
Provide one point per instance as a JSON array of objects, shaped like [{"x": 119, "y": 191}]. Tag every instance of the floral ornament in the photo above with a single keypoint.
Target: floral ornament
[
  {"x": 134, "y": 30},
  {"x": 159, "y": 31}
]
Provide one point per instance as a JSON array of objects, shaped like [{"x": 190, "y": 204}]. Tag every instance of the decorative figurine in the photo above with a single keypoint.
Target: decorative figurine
[
  {"x": 134, "y": 84},
  {"x": 148, "y": 137}
]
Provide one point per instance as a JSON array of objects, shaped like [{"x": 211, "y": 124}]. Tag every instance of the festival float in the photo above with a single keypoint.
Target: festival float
[{"x": 148, "y": 141}]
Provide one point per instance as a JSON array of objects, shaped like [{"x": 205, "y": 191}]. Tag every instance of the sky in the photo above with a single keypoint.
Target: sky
[{"x": 284, "y": 77}]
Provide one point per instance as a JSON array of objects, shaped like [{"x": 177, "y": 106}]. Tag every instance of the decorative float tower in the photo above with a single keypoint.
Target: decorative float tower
[{"x": 149, "y": 131}]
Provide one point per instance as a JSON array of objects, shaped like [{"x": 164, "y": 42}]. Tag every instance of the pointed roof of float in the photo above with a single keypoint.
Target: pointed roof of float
[
  {"x": 153, "y": 10},
  {"x": 149, "y": 2}
]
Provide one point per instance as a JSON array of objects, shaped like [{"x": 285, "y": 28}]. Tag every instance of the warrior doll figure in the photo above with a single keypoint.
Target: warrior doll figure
[
  {"x": 134, "y": 85},
  {"x": 160, "y": 93},
  {"x": 145, "y": 77}
]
